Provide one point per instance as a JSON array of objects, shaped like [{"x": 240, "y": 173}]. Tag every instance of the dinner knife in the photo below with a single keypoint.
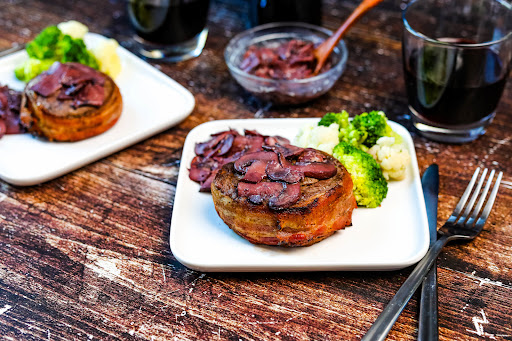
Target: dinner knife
[
  {"x": 428, "y": 320},
  {"x": 381, "y": 327}
]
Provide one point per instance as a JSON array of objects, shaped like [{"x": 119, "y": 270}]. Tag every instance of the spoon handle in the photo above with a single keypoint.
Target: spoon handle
[{"x": 323, "y": 51}]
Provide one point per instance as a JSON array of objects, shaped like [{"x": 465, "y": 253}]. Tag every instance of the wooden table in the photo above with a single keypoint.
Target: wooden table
[{"x": 86, "y": 256}]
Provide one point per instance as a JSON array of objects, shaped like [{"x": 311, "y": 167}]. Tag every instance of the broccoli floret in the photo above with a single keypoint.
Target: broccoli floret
[
  {"x": 340, "y": 118},
  {"x": 370, "y": 186},
  {"x": 353, "y": 137},
  {"x": 50, "y": 46},
  {"x": 74, "y": 50},
  {"x": 374, "y": 124},
  {"x": 31, "y": 68},
  {"x": 44, "y": 46}
]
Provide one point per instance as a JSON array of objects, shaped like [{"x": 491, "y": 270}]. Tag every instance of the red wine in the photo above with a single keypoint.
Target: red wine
[
  {"x": 454, "y": 86},
  {"x": 178, "y": 22}
]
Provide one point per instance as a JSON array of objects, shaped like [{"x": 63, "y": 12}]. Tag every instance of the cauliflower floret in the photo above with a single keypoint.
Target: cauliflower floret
[
  {"x": 106, "y": 54},
  {"x": 73, "y": 28},
  {"x": 392, "y": 157},
  {"x": 318, "y": 137}
]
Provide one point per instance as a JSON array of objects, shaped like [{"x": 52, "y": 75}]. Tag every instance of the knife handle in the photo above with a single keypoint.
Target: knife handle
[{"x": 428, "y": 320}]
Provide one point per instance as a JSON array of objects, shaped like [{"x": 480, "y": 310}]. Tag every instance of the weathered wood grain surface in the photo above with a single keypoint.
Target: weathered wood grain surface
[{"x": 86, "y": 256}]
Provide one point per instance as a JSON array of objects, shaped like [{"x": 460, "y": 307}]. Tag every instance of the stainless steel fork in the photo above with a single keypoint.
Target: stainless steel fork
[{"x": 462, "y": 224}]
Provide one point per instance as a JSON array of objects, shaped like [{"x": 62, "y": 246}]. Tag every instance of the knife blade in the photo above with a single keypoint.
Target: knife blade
[{"x": 428, "y": 319}]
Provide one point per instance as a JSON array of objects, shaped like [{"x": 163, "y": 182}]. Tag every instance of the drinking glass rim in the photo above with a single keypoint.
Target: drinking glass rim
[{"x": 447, "y": 44}]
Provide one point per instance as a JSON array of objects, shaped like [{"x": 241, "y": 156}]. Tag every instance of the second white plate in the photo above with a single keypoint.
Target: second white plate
[
  {"x": 152, "y": 102},
  {"x": 392, "y": 236}
]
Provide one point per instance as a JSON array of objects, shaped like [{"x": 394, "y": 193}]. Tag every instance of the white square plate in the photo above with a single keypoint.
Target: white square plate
[
  {"x": 152, "y": 102},
  {"x": 389, "y": 237}
]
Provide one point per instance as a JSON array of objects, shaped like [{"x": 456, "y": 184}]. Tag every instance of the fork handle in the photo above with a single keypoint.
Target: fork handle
[{"x": 380, "y": 329}]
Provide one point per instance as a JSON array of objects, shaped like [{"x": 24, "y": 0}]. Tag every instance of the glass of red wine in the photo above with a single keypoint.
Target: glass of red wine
[
  {"x": 457, "y": 57},
  {"x": 169, "y": 30}
]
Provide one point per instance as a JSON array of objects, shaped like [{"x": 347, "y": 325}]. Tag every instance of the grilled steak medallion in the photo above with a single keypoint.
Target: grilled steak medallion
[
  {"x": 70, "y": 102},
  {"x": 284, "y": 196}
]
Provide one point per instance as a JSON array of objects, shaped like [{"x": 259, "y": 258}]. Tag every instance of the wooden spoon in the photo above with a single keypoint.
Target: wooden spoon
[{"x": 323, "y": 51}]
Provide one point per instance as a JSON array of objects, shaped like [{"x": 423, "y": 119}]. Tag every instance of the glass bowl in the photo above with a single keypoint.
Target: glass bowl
[{"x": 284, "y": 91}]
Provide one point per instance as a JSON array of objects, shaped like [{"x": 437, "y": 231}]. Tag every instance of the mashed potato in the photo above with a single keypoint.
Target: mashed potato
[
  {"x": 318, "y": 137},
  {"x": 108, "y": 59},
  {"x": 392, "y": 157},
  {"x": 73, "y": 28}
]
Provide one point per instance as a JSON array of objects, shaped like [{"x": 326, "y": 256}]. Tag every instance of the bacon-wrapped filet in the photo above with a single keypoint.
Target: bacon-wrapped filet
[
  {"x": 284, "y": 196},
  {"x": 70, "y": 102}
]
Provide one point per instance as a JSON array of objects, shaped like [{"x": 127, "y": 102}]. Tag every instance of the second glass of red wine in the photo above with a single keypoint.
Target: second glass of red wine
[
  {"x": 169, "y": 30},
  {"x": 457, "y": 57}
]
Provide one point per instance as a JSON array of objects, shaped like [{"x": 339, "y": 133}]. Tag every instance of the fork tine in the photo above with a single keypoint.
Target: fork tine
[
  {"x": 463, "y": 199},
  {"x": 476, "y": 192},
  {"x": 481, "y": 201},
  {"x": 490, "y": 202}
]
